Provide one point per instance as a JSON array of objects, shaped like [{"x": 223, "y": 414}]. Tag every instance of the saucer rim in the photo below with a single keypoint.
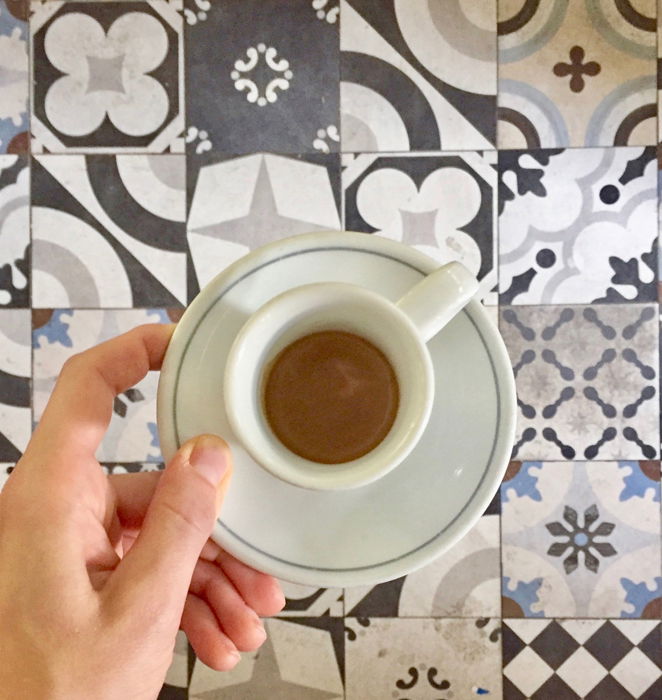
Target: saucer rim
[{"x": 495, "y": 348}]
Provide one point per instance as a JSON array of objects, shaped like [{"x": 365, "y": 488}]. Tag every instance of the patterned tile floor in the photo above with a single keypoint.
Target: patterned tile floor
[{"x": 146, "y": 145}]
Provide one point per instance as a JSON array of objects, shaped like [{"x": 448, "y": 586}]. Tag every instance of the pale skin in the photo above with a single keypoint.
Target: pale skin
[{"x": 98, "y": 573}]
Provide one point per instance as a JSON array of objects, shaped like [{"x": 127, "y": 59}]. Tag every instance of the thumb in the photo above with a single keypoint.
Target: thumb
[{"x": 159, "y": 566}]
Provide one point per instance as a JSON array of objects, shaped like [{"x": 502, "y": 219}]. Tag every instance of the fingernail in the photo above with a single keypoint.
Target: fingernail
[
  {"x": 236, "y": 656},
  {"x": 260, "y": 628},
  {"x": 209, "y": 457}
]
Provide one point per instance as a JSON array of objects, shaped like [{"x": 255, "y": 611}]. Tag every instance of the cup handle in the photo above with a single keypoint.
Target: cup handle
[{"x": 433, "y": 302}]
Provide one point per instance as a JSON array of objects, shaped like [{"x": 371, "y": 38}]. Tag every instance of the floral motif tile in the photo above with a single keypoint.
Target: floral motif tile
[
  {"x": 15, "y": 417},
  {"x": 423, "y": 659},
  {"x": 302, "y": 659},
  {"x": 59, "y": 333},
  {"x": 107, "y": 76},
  {"x": 238, "y": 204},
  {"x": 443, "y": 205},
  {"x": 577, "y": 73},
  {"x": 463, "y": 582},
  {"x": 581, "y": 539},
  {"x": 271, "y": 83},
  {"x": 108, "y": 231},
  {"x": 417, "y": 76},
  {"x": 13, "y": 76},
  {"x": 587, "y": 380},
  {"x": 573, "y": 659},
  {"x": 14, "y": 231},
  {"x": 578, "y": 226}
]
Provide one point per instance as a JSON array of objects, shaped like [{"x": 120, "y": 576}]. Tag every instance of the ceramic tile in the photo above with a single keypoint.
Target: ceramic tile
[
  {"x": 306, "y": 601},
  {"x": 581, "y": 539},
  {"x": 57, "y": 334},
  {"x": 14, "y": 231},
  {"x": 586, "y": 380},
  {"x": 107, "y": 76},
  {"x": 238, "y": 204},
  {"x": 463, "y": 582},
  {"x": 422, "y": 659},
  {"x": 301, "y": 660},
  {"x": 175, "y": 686},
  {"x": 417, "y": 76},
  {"x": 578, "y": 226},
  {"x": 15, "y": 420},
  {"x": 108, "y": 231},
  {"x": 572, "y": 659},
  {"x": 13, "y": 76},
  {"x": 577, "y": 74},
  {"x": 443, "y": 205},
  {"x": 269, "y": 84}
]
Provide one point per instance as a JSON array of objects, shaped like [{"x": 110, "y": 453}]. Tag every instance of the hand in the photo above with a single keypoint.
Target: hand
[{"x": 97, "y": 573}]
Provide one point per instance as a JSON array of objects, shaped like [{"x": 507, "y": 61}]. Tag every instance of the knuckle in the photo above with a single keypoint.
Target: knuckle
[{"x": 187, "y": 515}]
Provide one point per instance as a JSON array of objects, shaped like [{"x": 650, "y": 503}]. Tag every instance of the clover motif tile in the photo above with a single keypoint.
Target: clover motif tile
[
  {"x": 417, "y": 76},
  {"x": 443, "y": 205},
  {"x": 269, "y": 84},
  {"x": 581, "y": 539},
  {"x": 89, "y": 250},
  {"x": 59, "y": 333},
  {"x": 578, "y": 226},
  {"x": 13, "y": 76},
  {"x": 577, "y": 74},
  {"x": 586, "y": 380},
  {"x": 107, "y": 75}
]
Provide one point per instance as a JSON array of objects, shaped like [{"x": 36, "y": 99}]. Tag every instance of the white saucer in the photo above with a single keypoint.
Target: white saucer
[{"x": 385, "y": 529}]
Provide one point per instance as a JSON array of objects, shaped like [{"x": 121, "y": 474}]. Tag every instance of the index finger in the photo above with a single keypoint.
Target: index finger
[{"x": 81, "y": 405}]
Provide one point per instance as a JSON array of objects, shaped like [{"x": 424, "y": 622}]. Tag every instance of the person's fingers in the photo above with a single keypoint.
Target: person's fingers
[
  {"x": 157, "y": 569},
  {"x": 260, "y": 591},
  {"x": 239, "y": 622},
  {"x": 81, "y": 405},
  {"x": 134, "y": 493},
  {"x": 211, "y": 645}
]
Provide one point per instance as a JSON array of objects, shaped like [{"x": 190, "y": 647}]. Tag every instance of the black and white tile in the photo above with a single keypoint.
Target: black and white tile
[
  {"x": 271, "y": 83},
  {"x": 573, "y": 659},
  {"x": 108, "y": 231},
  {"x": 443, "y": 205},
  {"x": 238, "y": 204},
  {"x": 417, "y": 76},
  {"x": 587, "y": 380},
  {"x": 578, "y": 226},
  {"x": 14, "y": 231},
  {"x": 15, "y": 372},
  {"x": 107, "y": 76}
]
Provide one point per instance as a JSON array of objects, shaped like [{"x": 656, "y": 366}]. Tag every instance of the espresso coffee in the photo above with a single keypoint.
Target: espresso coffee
[{"x": 330, "y": 396}]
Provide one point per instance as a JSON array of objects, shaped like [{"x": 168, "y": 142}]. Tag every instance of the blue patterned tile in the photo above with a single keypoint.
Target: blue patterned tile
[
  {"x": 581, "y": 539},
  {"x": 58, "y": 334}
]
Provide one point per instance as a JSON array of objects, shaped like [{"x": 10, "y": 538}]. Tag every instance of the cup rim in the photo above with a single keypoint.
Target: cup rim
[{"x": 285, "y": 464}]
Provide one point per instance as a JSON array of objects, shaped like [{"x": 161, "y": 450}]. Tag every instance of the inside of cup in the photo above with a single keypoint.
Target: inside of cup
[{"x": 374, "y": 319}]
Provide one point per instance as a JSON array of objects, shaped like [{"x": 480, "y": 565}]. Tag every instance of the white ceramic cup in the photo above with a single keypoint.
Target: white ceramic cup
[{"x": 400, "y": 330}]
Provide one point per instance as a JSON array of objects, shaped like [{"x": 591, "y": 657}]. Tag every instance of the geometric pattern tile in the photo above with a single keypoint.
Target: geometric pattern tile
[{"x": 561, "y": 662}]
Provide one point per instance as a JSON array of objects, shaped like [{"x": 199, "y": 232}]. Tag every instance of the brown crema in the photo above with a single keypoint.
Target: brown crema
[{"x": 330, "y": 397}]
